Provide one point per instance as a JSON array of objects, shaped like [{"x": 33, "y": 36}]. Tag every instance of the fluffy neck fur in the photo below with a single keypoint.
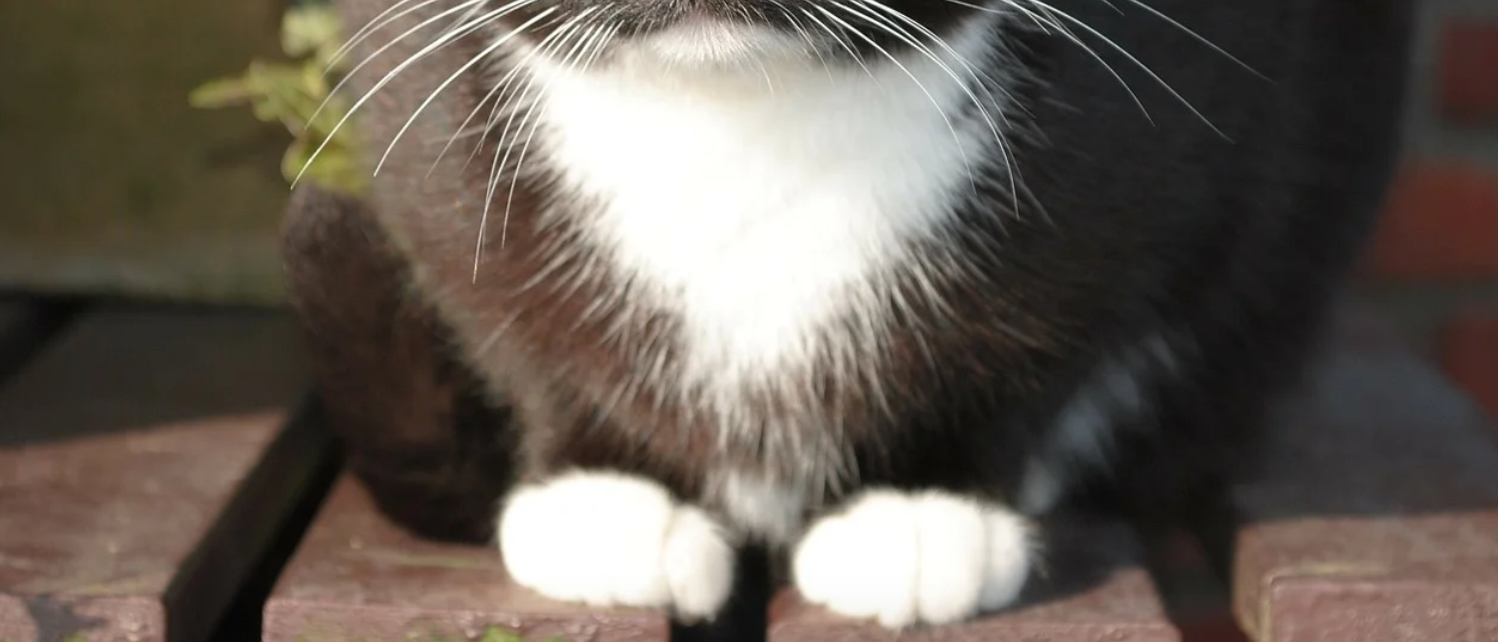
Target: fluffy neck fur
[{"x": 762, "y": 208}]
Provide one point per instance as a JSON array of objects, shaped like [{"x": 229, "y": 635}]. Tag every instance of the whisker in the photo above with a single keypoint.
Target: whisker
[
  {"x": 405, "y": 64},
  {"x": 905, "y": 36},
  {"x": 1143, "y": 67},
  {"x": 806, "y": 37},
  {"x": 1110, "y": 69},
  {"x": 1198, "y": 37},
  {"x": 1018, "y": 5},
  {"x": 382, "y": 49},
  {"x": 477, "y": 58},
  {"x": 571, "y": 60},
  {"x": 961, "y": 149},
  {"x": 503, "y": 149},
  {"x": 497, "y": 95},
  {"x": 374, "y": 24},
  {"x": 1048, "y": 22},
  {"x": 843, "y": 43}
]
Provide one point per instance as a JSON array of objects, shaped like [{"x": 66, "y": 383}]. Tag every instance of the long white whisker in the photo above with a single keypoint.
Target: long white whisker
[
  {"x": 570, "y": 61},
  {"x": 1125, "y": 52},
  {"x": 405, "y": 64},
  {"x": 806, "y": 37},
  {"x": 905, "y": 36},
  {"x": 1199, "y": 38},
  {"x": 497, "y": 95},
  {"x": 843, "y": 43},
  {"x": 1109, "y": 68},
  {"x": 383, "y": 48},
  {"x": 1018, "y": 5},
  {"x": 900, "y": 33},
  {"x": 480, "y": 57},
  {"x": 940, "y": 110},
  {"x": 375, "y": 24},
  {"x": 1048, "y": 22},
  {"x": 503, "y": 149}
]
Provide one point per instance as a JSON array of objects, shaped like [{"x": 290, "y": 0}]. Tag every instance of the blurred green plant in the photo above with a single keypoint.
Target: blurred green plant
[{"x": 297, "y": 94}]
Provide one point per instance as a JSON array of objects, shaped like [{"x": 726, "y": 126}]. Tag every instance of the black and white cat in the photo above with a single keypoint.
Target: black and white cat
[{"x": 872, "y": 282}]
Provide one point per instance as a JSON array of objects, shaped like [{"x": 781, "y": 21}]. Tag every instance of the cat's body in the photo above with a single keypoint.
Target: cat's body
[{"x": 740, "y": 291}]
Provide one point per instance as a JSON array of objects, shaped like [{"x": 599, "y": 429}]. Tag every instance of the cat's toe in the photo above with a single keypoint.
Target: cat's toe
[
  {"x": 698, "y": 563},
  {"x": 907, "y": 559},
  {"x": 615, "y": 540}
]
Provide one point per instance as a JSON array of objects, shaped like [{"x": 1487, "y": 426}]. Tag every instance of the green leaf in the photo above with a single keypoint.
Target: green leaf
[
  {"x": 308, "y": 28},
  {"x": 223, "y": 92},
  {"x": 496, "y": 634},
  {"x": 336, "y": 167},
  {"x": 291, "y": 93}
]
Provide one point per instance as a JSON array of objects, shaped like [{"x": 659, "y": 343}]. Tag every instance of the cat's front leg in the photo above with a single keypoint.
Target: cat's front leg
[
  {"x": 433, "y": 452},
  {"x": 611, "y": 539},
  {"x": 913, "y": 558}
]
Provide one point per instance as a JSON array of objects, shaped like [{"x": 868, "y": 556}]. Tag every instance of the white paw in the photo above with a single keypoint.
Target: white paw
[
  {"x": 606, "y": 539},
  {"x": 906, "y": 559}
]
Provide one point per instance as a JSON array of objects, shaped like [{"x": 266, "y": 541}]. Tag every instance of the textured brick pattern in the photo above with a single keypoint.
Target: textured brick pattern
[
  {"x": 1096, "y": 592},
  {"x": 1219, "y": 629},
  {"x": 1469, "y": 69},
  {"x": 137, "y": 514},
  {"x": 1469, "y": 353},
  {"x": 356, "y": 578},
  {"x": 1441, "y": 222},
  {"x": 1376, "y": 518},
  {"x": 144, "y": 461},
  {"x": 1436, "y": 250}
]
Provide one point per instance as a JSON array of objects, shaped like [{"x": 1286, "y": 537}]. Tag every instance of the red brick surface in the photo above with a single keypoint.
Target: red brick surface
[
  {"x": 1375, "y": 516},
  {"x": 144, "y": 465},
  {"x": 1117, "y": 602},
  {"x": 1468, "y": 66},
  {"x": 1469, "y": 353},
  {"x": 1216, "y": 629},
  {"x": 1441, "y": 222},
  {"x": 356, "y": 577}
]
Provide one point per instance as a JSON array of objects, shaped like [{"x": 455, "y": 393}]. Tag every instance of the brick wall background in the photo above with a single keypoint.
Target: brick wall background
[{"x": 1434, "y": 261}]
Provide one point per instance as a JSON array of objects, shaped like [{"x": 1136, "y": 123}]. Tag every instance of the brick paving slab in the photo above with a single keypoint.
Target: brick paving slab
[
  {"x": 1469, "y": 355},
  {"x": 1376, "y": 519},
  {"x": 357, "y": 577},
  {"x": 1468, "y": 51},
  {"x": 143, "y": 465},
  {"x": 1106, "y": 597},
  {"x": 1440, "y": 222}
]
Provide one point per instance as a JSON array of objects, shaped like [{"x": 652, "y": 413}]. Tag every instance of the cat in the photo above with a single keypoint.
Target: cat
[{"x": 874, "y": 283}]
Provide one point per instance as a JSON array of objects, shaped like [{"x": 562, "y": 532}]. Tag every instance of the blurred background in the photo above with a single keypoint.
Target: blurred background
[{"x": 110, "y": 182}]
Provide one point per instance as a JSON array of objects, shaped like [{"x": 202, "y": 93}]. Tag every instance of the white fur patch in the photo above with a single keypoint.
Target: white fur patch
[
  {"x": 905, "y": 559},
  {"x": 614, "y": 540},
  {"x": 760, "y": 208},
  {"x": 759, "y": 504}
]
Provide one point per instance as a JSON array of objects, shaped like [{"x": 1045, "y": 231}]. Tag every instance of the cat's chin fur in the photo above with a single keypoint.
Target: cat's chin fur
[
  {"x": 878, "y": 316},
  {"x": 711, "y": 49}
]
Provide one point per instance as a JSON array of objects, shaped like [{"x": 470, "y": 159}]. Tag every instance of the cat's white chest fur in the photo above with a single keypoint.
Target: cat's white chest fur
[{"x": 760, "y": 211}]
